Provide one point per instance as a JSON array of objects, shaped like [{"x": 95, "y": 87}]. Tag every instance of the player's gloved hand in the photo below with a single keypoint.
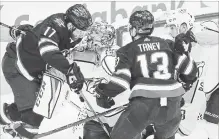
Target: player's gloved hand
[
  {"x": 186, "y": 82},
  {"x": 179, "y": 43},
  {"x": 103, "y": 100},
  {"x": 183, "y": 42},
  {"x": 14, "y": 33},
  {"x": 187, "y": 37},
  {"x": 190, "y": 36},
  {"x": 75, "y": 78}
]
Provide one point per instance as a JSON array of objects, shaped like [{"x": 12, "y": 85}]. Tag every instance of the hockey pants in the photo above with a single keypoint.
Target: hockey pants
[
  {"x": 145, "y": 111},
  {"x": 24, "y": 91}
]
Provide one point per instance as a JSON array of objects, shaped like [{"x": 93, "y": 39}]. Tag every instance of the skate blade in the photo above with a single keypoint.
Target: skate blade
[{"x": 16, "y": 130}]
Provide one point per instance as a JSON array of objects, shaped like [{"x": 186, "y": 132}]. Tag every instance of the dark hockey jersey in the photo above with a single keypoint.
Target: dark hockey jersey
[
  {"x": 11, "y": 50},
  {"x": 147, "y": 66},
  {"x": 43, "y": 45}
]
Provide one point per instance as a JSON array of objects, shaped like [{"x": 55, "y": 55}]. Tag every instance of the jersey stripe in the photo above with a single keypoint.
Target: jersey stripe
[
  {"x": 157, "y": 87},
  {"x": 120, "y": 81},
  {"x": 48, "y": 48},
  {"x": 180, "y": 61},
  {"x": 44, "y": 40},
  {"x": 20, "y": 66},
  {"x": 124, "y": 71},
  {"x": 157, "y": 91},
  {"x": 189, "y": 67}
]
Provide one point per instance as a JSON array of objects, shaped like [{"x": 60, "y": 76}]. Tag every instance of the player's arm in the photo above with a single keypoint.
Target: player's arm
[
  {"x": 120, "y": 80},
  {"x": 186, "y": 68},
  {"x": 49, "y": 49}
]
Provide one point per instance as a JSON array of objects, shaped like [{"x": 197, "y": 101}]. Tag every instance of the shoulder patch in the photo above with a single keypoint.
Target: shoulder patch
[{"x": 59, "y": 22}]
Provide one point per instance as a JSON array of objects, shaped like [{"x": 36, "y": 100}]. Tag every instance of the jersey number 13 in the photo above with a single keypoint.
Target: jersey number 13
[{"x": 162, "y": 69}]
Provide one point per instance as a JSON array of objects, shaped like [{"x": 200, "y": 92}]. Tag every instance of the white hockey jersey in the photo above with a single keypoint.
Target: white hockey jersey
[
  {"x": 205, "y": 53},
  {"x": 94, "y": 74}
]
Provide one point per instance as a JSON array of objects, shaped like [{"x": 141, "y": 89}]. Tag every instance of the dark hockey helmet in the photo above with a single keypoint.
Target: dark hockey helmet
[
  {"x": 79, "y": 16},
  {"x": 142, "y": 21},
  {"x": 15, "y": 33}
]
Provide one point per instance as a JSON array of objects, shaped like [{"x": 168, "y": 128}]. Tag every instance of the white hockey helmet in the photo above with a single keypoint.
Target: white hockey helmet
[{"x": 178, "y": 17}]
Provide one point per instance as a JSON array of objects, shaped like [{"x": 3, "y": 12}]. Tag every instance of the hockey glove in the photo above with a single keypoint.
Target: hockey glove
[
  {"x": 103, "y": 100},
  {"x": 75, "y": 78},
  {"x": 190, "y": 37},
  {"x": 15, "y": 33},
  {"x": 186, "y": 81},
  {"x": 184, "y": 40}
]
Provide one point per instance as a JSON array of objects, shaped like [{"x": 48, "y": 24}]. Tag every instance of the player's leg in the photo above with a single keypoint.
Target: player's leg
[
  {"x": 148, "y": 131},
  {"x": 212, "y": 111},
  {"x": 212, "y": 115},
  {"x": 9, "y": 71},
  {"x": 168, "y": 130},
  {"x": 25, "y": 97},
  {"x": 24, "y": 94},
  {"x": 140, "y": 112},
  {"x": 93, "y": 130},
  {"x": 172, "y": 115}
]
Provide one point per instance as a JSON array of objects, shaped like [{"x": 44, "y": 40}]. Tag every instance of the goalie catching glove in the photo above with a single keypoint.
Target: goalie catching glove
[
  {"x": 103, "y": 100},
  {"x": 75, "y": 78}
]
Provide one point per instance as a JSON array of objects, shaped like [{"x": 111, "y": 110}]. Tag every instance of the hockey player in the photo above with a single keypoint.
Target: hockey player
[
  {"x": 180, "y": 21},
  {"x": 41, "y": 46},
  {"x": 147, "y": 67},
  {"x": 8, "y": 66},
  {"x": 95, "y": 55},
  {"x": 207, "y": 37}
]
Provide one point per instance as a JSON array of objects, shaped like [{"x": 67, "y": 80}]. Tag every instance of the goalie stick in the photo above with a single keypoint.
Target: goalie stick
[
  {"x": 92, "y": 110},
  {"x": 23, "y": 132},
  {"x": 10, "y": 27},
  {"x": 78, "y": 122}
]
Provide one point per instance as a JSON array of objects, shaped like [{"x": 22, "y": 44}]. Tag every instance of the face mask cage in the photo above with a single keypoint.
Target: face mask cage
[{"x": 100, "y": 35}]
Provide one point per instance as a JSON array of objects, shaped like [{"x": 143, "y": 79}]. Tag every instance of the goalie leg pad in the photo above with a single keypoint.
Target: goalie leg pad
[{"x": 93, "y": 130}]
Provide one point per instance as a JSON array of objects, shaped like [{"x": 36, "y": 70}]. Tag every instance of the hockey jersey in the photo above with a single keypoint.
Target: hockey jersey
[
  {"x": 147, "y": 67},
  {"x": 43, "y": 45},
  {"x": 11, "y": 49}
]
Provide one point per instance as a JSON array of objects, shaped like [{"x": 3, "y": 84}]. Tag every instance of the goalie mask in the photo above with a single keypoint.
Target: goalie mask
[
  {"x": 100, "y": 35},
  {"x": 179, "y": 21}
]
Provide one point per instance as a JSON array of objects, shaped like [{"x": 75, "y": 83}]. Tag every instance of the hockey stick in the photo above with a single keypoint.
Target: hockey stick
[
  {"x": 211, "y": 29},
  {"x": 92, "y": 110},
  {"x": 10, "y": 27},
  {"x": 78, "y": 122}
]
